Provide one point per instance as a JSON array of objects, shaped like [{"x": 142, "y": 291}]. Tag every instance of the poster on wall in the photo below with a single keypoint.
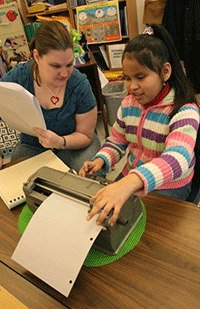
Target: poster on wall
[
  {"x": 100, "y": 22},
  {"x": 114, "y": 53}
]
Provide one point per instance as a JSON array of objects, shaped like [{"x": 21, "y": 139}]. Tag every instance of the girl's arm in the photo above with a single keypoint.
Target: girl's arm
[
  {"x": 113, "y": 197},
  {"x": 176, "y": 163},
  {"x": 115, "y": 145}
]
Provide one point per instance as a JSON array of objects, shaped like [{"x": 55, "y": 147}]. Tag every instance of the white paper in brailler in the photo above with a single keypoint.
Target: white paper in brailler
[{"x": 57, "y": 241}]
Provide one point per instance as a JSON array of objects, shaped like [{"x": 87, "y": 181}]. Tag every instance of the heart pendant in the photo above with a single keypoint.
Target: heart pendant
[{"x": 54, "y": 99}]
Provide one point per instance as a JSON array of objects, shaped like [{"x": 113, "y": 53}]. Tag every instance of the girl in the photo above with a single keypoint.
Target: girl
[{"x": 157, "y": 121}]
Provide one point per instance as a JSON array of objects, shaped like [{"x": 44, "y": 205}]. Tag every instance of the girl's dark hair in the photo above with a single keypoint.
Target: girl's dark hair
[
  {"x": 153, "y": 51},
  {"x": 51, "y": 35}
]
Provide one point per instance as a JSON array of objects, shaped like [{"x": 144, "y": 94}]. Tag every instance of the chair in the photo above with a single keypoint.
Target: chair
[
  {"x": 8, "y": 139},
  {"x": 194, "y": 196}
]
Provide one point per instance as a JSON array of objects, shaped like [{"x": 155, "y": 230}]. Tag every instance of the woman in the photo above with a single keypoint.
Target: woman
[{"x": 67, "y": 102}]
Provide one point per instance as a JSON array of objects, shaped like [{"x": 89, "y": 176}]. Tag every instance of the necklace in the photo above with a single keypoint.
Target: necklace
[{"x": 54, "y": 98}]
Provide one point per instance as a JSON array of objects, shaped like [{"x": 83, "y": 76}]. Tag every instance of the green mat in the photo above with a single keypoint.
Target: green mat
[{"x": 96, "y": 258}]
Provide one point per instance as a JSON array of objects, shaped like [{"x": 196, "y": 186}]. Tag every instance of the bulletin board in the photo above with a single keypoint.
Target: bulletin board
[{"x": 100, "y": 22}]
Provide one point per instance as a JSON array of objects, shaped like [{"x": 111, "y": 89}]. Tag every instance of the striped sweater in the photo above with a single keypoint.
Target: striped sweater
[{"x": 160, "y": 149}]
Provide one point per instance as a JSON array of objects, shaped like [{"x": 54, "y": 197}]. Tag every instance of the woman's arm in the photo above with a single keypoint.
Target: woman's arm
[
  {"x": 83, "y": 135},
  {"x": 80, "y": 138}
]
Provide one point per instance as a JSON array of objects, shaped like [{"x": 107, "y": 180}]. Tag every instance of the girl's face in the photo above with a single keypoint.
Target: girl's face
[
  {"x": 56, "y": 67},
  {"x": 141, "y": 82}
]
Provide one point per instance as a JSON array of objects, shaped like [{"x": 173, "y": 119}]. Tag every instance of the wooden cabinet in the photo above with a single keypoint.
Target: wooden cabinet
[
  {"x": 132, "y": 18},
  {"x": 70, "y": 12},
  {"x": 29, "y": 18}
]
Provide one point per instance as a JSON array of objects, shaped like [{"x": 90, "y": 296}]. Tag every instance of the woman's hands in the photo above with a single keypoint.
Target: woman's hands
[
  {"x": 49, "y": 139},
  {"x": 114, "y": 196},
  {"x": 91, "y": 167}
]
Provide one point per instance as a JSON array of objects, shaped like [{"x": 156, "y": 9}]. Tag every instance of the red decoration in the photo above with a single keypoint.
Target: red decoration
[
  {"x": 11, "y": 15},
  {"x": 54, "y": 99}
]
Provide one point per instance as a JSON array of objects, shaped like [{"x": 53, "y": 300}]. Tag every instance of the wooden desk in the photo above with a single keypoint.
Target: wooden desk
[
  {"x": 27, "y": 293},
  {"x": 90, "y": 69},
  {"x": 162, "y": 271}
]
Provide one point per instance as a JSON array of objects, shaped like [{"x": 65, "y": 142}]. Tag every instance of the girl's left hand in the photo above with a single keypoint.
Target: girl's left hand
[
  {"x": 113, "y": 197},
  {"x": 48, "y": 139}
]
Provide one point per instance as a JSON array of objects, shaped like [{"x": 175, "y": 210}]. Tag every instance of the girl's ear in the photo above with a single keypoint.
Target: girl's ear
[
  {"x": 36, "y": 55},
  {"x": 166, "y": 71}
]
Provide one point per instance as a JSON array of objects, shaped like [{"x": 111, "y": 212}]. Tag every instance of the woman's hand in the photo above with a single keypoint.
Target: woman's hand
[
  {"x": 113, "y": 197},
  {"x": 49, "y": 139},
  {"x": 91, "y": 167},
  {"x": 79, "y": 139}
]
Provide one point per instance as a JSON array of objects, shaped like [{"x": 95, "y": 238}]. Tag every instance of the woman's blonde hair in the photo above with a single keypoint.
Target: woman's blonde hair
[{"x": 51, "y": 35}]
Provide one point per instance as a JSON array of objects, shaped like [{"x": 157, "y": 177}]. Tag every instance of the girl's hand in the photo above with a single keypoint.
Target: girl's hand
[
  {"x": 91, "y": 167},
  {"x": 49, "y": 139},
  {"x": 113, "y": 197}
]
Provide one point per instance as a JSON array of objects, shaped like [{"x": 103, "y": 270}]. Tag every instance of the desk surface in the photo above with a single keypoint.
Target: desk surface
[
  {"x": 162, "y": 271},
  {"x": 25, "y": 292}
]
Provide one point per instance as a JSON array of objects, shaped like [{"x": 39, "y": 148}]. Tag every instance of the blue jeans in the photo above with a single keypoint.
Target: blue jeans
[{"x": 180, "y": 193}]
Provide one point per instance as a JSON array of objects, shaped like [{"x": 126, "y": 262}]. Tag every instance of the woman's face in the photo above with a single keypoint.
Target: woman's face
[
  {"x": 56, "y": 67},
  {"x": 143, "y": 83}
]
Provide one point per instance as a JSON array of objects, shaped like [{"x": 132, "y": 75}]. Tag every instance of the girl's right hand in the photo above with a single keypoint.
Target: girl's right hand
[{"x": 91, "y": 167}]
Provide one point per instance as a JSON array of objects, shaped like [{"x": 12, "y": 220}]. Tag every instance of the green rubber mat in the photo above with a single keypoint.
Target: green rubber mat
[{"x": 96, "y": 258}]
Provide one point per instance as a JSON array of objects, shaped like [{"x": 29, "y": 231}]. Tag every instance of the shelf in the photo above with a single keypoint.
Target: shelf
[
  {"x": 131, "y": 15},
  {"x": 47, "y": 12}
]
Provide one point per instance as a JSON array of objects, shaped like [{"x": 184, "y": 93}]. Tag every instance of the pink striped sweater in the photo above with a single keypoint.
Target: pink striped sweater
[{"x": 160, "y": 149}]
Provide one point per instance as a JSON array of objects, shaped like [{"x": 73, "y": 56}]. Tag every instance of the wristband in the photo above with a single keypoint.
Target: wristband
[{"x": 64, "y": 143}]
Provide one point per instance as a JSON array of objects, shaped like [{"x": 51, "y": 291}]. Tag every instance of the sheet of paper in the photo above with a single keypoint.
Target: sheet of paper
[
  {"x": 103, "y": 51},
  {"x": 115, "y": 54},
  {"x": 57, "y": 241},
  {"x": 20, "y": 109},
  {"x": 103, "y": 80},
  {"x": 13, "y": 177}
]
